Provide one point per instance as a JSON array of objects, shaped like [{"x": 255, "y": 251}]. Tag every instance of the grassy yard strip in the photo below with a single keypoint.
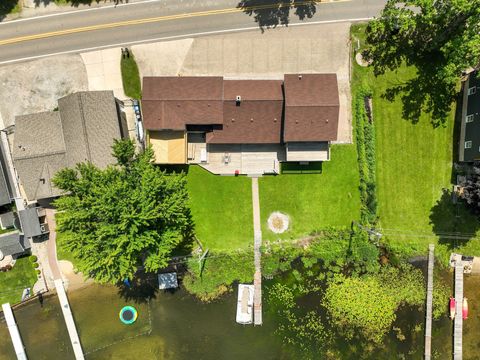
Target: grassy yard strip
[
  {"x": 413, "y": 168},
  {"x": 130, "y": 77},
  {"x": 14, "y": 281},
  {"x": 221, "y": 209},
  {"x": 314, "y": 201}
]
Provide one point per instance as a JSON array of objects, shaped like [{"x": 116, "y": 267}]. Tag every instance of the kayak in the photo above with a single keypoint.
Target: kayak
[
  {"x": 465, "y": 308},
  {"x": 452, "y": 308}
]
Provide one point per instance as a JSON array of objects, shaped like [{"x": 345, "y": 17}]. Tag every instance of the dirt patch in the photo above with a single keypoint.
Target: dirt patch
[
  {"x": 35, "y": 86},
  {"x": 278, "y": 222}
]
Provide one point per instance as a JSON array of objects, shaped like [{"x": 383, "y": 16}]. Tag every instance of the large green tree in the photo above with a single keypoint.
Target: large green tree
[
  {"x": 128, "y": 215},
  {"x": 440, "y": 37}
]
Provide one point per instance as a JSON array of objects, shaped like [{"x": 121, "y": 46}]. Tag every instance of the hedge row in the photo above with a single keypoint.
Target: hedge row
[{"x": 365, "y": 136}]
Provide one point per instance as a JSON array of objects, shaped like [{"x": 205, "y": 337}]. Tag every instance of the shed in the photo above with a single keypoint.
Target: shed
[{"x": 7, "y": 220}]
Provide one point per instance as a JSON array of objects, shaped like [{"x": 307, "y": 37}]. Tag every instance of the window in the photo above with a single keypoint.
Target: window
[
  {"x": 468, "y": 144},
  {"x": 469, "y": 118},
  {"x": 472, "y": 90}
]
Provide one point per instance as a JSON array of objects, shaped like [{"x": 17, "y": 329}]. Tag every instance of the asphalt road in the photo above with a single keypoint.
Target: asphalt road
[{"x": 154, "y": 21}]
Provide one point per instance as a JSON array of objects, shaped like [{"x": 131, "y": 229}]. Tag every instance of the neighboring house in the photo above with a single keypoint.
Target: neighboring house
[
  {"x": 7, "y": 220},
  {"x": 469, "y": 147},
  {"x": 241, "y": 126},
  {"x": 5, "y": 189},
  {"x": 83, "y": 129},
  {"x": 13, "y": 243}
]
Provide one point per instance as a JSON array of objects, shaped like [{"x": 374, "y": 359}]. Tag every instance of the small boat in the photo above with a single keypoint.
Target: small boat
[
  {"x": 465, "y": 308},
  {"x": 452, "y": 308},
  {"x": 245, "y": 304}
]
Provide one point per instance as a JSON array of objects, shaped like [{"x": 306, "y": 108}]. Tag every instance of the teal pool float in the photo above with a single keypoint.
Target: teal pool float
[{"x": 128, "y": 315}]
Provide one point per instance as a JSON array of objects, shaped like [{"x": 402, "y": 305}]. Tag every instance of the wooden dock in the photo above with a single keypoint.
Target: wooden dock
[
  {"x": 14, "y": 333},
  {"x": 69, "y": 321},
  {"x": 458, "y": 323},
  {"x": 428, "y": 320},
  {"x": 257, "y": 278}
]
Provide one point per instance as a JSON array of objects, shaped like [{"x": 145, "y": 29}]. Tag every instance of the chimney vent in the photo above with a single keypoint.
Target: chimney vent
[
  {"x": 238, "y": 100},
  {"x": 299, "y": 77}
]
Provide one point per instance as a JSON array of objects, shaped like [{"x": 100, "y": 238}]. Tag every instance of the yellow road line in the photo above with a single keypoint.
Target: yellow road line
[{"x": 151, "y": 20}]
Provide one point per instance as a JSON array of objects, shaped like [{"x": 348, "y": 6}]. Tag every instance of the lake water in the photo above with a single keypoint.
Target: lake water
[{"x": 177, "y": 326}]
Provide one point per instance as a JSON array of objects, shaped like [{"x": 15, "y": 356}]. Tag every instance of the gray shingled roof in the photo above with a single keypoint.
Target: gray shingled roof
[
  {"x": 81, "y": 130},
  {"x": 29, "y": 222},
  {"x": 471, "y": 130},
  {"x": 10, "y": 243}
]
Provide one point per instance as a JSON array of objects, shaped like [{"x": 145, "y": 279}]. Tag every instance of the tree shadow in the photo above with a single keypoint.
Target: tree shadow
[
  {"x": 77, "y": 3},
  {"x": 427, "y": 92},
  {"x": 452, "y": 221},
  {"x": 142, "y": 289},
  {"x": 271, "y": 13},
  {"x": 6, "y": 7}
]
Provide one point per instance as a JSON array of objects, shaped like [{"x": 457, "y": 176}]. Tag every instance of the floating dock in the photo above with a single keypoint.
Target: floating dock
[
  {"x": 14, "y": 333},
  {"x": 245, "y": 304},
  {"x": 67, "y": 315},
  {"x": 458, "y": 322},
  {"x": 428, "y": 320}
]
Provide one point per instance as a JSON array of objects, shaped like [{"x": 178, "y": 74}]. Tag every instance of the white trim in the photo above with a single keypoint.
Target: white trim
[
  {"x": 472, "y": 90},
  {"x": 175, "y": 37},
  {"x": 469, "y": 118},
  {"x": 468, "y": 144}
]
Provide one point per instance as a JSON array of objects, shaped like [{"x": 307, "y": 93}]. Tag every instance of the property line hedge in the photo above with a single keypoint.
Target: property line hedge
[{"x": 365, "y": 136}]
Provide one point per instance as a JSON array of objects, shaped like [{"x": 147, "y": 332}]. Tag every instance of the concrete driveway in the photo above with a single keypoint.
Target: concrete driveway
[{"x": 315, "y": 48}]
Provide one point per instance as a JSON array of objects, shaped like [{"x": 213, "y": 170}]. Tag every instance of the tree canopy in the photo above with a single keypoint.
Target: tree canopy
[
  {"x": 128, "y": 215},
  {"x": 440, "y": 37}
]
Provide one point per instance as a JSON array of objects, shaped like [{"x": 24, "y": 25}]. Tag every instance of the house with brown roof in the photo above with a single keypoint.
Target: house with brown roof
[{"x": 241, "y": 126}]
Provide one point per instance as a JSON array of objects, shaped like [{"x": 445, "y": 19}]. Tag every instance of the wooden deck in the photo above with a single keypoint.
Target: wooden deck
[
  {"x": 458, "y": 323},
  {"x": 428, "y": 320}
]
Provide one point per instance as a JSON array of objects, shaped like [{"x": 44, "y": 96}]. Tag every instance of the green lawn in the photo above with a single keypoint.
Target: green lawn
[
  {"x": 414, "y": 165},
  {"x": 130, "y": 77},
  {"x": 14, "y": 281},
  {"x": 314, "y": 201},
  {"x": 221, "y": 209}
]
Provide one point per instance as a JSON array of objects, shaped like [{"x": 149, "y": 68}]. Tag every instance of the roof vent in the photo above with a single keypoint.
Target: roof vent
[
  {"x": 251, "y": 119},
  {"x": 299, "y": 77},
  {"x": 238, "y": 100}
]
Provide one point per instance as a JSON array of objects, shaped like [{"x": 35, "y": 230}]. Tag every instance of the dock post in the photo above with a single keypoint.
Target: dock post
[
  {"x": 14, "y": 333},
  {"x": 428, "y": 320}
]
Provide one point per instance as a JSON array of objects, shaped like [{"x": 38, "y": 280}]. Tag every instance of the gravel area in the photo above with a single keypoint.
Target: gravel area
[{"x": 36, "y": 86}]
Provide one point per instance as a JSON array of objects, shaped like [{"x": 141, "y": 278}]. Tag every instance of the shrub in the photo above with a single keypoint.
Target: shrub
[
  {"x": 38, "y": 271},
  {"x": 32, "y": 258},
  {"x": 35, "y": 265},
  {"x": 365, "y": 138}
]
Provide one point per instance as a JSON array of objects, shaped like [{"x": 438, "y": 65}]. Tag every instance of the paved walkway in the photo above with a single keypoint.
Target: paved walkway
[
  {"x": 257, "y": 279},
  {"x": 52, "y": 244},
  {"x": 104, "y": 72}
]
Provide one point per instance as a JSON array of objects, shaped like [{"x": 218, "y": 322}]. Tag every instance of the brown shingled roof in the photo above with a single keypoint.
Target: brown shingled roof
[
  {"x": 171, "y": 102},
  {"x": 311, "y": 107},
  {"x": 257, "y": 119}
]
